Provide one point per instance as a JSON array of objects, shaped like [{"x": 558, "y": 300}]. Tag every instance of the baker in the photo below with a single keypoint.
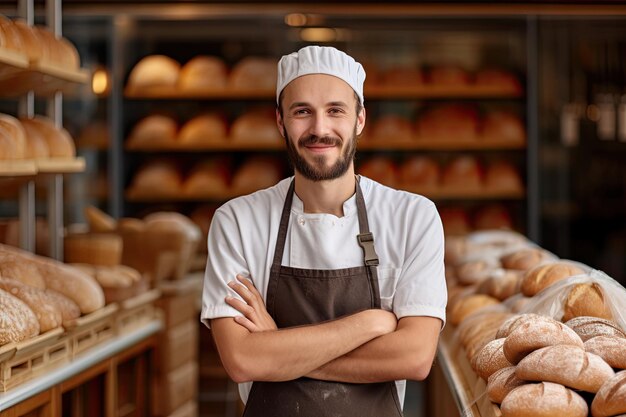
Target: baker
[{"x": 325, "y": 292}]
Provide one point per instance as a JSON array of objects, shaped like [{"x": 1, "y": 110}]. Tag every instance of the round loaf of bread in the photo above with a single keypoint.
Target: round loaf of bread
[
  {"x": 480, "y": 321},
  {"x": 588, "y": 327},
  {"x": 158, "y": 177},
  {"x": 257, "y": 173},
  {"x": 392, "y": 127},
  {"x": 503, "y": 126},
  {"x": 546, "y": 399},
  {"x": 448, "y": 122},
  {"x": 515, "y": 321},
  {"x": 536, "y": 334},
  {"x": 36, "y": 144},
  {"x": 7, "y": 145},
  {"x": 586, "y": 300},
  {"x": 524, "y": 259},
  {"x": 493, "y": 217},
  {"x": 519, "y": 303},
  {"x": 153, "y": 131},
  {"x": 10, "y": 35},
  {"x": 18, "y": 320},
  {"x": 449, "y": 75},
  {"x": 69, "y": 54},
  {"x": 501, "y": 382},
  {"x": 610, "y": 348},
  {"x": 381, "y": 169},
  {"x": 490, "y": 359},
  {"x": 501, "y": 284},
  {"x": 33, "y": 47},
  {"x": 154, "y": 71},
  {"x": 50, "y": 45},
  {"x": 255, "y": 126},
  {"x": 566, "y": 365},
  {"x": 210, "y": 177},
  {"x": 503, "y": 176},
  {"x": 463, "y": 172},
  {"x": 543, "y": 276},
  {"x": 203, "y": 72},
  {"x": 60, "y": 143},
  {"x": 473, "y": 272},
  {"x": 611, "y": 398},
  {"x": 205, "y": 128},
  {"x": 171, "y": 221},
  {"x": 420, "y": 171},
  {"x": 401, "y": 77},
  {"x": 254, "y": 73},
  {"x": 470, "y": 305},
  {"x": 68, "y": 308},
  {"x": 48, "y": 316},
  {"x": 15, "y": 132}
]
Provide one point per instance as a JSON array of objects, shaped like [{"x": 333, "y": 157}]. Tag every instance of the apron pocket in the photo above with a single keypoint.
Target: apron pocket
[{"x": 387, "y": 280}]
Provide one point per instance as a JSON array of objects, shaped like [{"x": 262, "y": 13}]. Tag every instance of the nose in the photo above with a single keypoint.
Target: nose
[{"x": 320, "y": 125}]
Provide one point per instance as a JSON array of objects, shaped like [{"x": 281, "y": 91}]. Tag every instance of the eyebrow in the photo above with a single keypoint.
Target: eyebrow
[{"x": 331, "y": 104}]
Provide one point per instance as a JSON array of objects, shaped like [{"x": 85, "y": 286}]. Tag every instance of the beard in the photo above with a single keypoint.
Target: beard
[{"x": 318, "y": 170}]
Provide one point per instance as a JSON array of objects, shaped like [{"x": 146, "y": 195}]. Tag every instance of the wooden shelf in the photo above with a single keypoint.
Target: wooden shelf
[
  {"x": 17, "y": 168},
  {"x": 225, "y": 144},
  {"x": 432, "y": 193},
  {"x": 61, "y": 165},
  {"x": 11, "y": 62},
  {"x": 425, "y": 91}
]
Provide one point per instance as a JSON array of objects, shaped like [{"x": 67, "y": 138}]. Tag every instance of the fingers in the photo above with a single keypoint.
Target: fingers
[{"x": 240, "y": 306}]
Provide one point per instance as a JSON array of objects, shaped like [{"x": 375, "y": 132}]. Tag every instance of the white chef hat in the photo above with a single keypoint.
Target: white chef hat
[{"x": 320, "y": 60}]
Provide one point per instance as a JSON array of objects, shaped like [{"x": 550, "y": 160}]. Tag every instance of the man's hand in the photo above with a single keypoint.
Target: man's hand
[{"x": 255, "y": 316}]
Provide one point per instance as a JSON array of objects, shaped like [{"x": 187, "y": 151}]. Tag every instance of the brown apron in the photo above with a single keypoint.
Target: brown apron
[{"x": 298, "y": 297}]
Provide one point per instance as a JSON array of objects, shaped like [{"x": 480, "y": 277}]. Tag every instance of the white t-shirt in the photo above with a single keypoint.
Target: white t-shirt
[{"x": 408, "y": 238}]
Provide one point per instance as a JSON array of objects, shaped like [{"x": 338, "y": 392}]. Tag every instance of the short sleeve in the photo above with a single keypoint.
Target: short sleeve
[
  {"x": 225, "y": 261},
  {"x": 421, "y": 288}
]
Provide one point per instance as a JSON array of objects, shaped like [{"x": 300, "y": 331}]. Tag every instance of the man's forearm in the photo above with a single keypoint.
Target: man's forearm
[
  {"x": 288, "y": 354},
  {"x": 406, "y": 353}
]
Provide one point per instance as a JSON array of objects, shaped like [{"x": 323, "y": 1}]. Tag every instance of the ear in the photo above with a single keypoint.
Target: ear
[
  {"x": 280, "y": 123},
  {"x": 360, "y": 121}
]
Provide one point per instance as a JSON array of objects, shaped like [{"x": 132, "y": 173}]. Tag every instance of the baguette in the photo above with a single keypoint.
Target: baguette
[
  {"x": 589, "y": 327},
  {"x": 567, "y": 365},
  {"x": 501, "y": 382},
  {"x": 534, "y": 335},
  {"x": 611, "y": 398},
  {"x": 611, "y": 349},
  {"x": 543, "y": 400},
  {"x": 490, "y": 359},
  {"x": 543, "y": 276}
]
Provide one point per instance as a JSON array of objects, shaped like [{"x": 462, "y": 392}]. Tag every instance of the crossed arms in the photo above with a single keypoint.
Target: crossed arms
[{"x": 368, "y": 346}]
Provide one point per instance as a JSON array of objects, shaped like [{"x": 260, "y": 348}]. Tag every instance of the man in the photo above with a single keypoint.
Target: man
[{"x": 325, "y": 292}]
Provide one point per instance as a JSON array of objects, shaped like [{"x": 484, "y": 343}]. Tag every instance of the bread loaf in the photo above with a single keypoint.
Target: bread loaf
[
  {"x": 130, "y": 224},
  {"x": 490, "y": 359},
  {"x": 381, "y": 169},
  {"x": 588, "y": 327},
  {"x": 512, "y": 323},
  {"x": 33, "y": 47},
  {"x": 16, "y": 133},
  {"x": 469, "y": 305},
  {"x": 98, "y": 220},
  {"x": 533, "y": 335},
  {"x": 203, "y": 129},
  {"x": 257, "y": 173},
  {"x": 93, "y": 248},
  {"x": 117, "y": 276},
  {"x": 463, "y": 172},
  {"x": 492, "y": 217},
  {"x": 501, "y": 382},
  {"x": 36, "y": 144},
  {"x": 566, "y": 365},
  {"x": 503, "y": 176},
  {"x": 524, "y": 259},
  {"x": 448, "y": 123},
  {"x": 68, "y": 53},
  {"x": 611, "y": 398},
  {"x": 503, "y": 126},
  {"x": 254, "y": 73},
  {"x": 210, "y": 177},
  {"x": 203, "y": 73},
  {"x": 392, "y": 127},
  {"x": 449, "y": 75},
  {"x": 15, "y": 267},
  {"x": 543, "y": 400},
  {"x": 401, "y": 77},
  {"x": 154, "y": 71},
  {"x": 543, "y": 276},
  {"x": 455, "y": 222},
  {"x": 48, "y": 316},
  {"x": 153, "y": 131},
  {"x": 158, "y": 177},
  {"x": 420, "y": 171},
  {"x": 491, "y": 77},
  {"x": 18, "y": 320},
  {"x": 501, "y": 284},
  {"x": 10, "y": 35},
  {"x": 473, "y": 272},
  {"x": 171, "y": 221},
  {"x": 586, "y": 300},
  {"x": 610, "y": 348},
  {"x": 60, "y": 143},
  {"x": 255, "y": 126},
  {"x": 482, "y": 320},
  {"x": 68, "y": 308},
  {"x": 7, "y": 145}
]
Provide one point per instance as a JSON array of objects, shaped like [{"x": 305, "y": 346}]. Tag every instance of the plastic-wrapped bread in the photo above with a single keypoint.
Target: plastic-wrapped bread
[
  {"x": 545, "y": 399},
  {"x": 257, "y": 173},
  {"x": 255, "y": 126},
  {"x": 48, "y": 316},
  {"x": 401, "y": 77},
  {"x": 567, "y": 365},
  {"x": 543, "y": 276},
  {"x": 203, "y": 129},
  {"x": 203, "y": 72},
  {"x": 503, "y": 126},
  {"x": 610, "y": 348},
  {"x": 210, "y": 177},
  {"x": 611, "y": 398},
  {"x": 463, "y": 172},
  {"x": 588, "y": 327},
  {"x": 420, "y": 171},
  {"x": 60, "y": 143},
  {"x": 449, "y": 76},
  {"x": 392, "y": 127},
  {"x": 586, "y": 300},
  {"x": 18, "y": 320},
  {"x": 381, "y": 169},
  {"x": 16, "y": 133},
  {"x": 503, "y": 176},
  {"x": 491, "y": 77},
  {"x": 452, "y": 122},
  {"x": 493, "y": 216},
  {"x": 153, "y": 131},
  {"x": 525, "y": 259},
  {"x": 154, "y": 71},
  {"x": 254, "y": 73},
  {"x": 158, "y": 177}
]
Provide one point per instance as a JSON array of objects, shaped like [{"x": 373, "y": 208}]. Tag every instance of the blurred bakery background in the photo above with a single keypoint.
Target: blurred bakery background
[{"x": 508, "y": 116}]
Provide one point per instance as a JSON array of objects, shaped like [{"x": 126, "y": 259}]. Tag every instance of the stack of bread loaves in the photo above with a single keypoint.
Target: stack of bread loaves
[
  {"x": 547, "y": 335},
  {"x": 33, "y": 138},
  {"x": 38, "y": 294}
]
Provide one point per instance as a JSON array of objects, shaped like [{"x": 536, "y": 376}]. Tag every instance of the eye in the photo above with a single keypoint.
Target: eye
[
  {"x": 336, "y": 110},
  {"x": 299, "y": 112}
]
